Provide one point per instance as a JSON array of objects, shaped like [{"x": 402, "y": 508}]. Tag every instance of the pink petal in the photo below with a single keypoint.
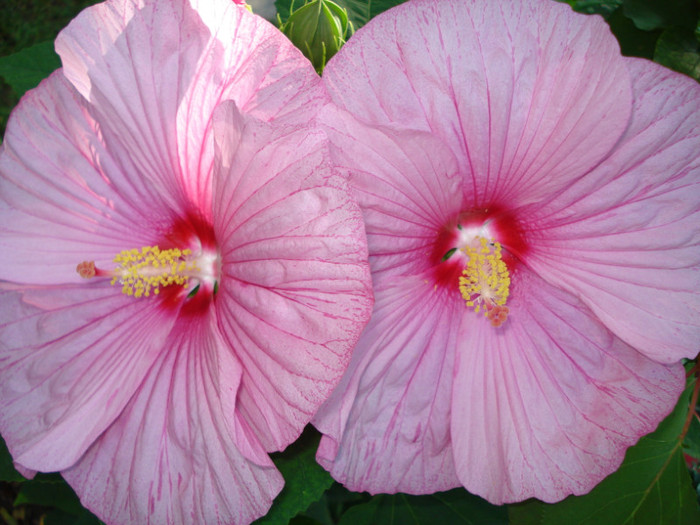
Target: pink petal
[
  {"x": 295, "y": 291},
  {"x": 546, "y": 405},
  {"x": 63, "y": 197},
  {"x": 386, "y": 425},
  {"x": 174, "y": 454},
  {"x": 406, "y": 183},
  {"x": 499, "y": 82},
  {"x": 626, "y": 238},
  {"x": 71, "y": 358},
  {"x": 155, "y": 72},
  {"x": 134, "y": 80}
]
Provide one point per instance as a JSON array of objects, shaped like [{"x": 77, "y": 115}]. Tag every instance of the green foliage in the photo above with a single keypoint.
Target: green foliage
[
  {"x": 7, "y": 469},
  {"x": 52, "y": 501},
  {"x": 26, "y": 68},
  {"x": 49, "y": 490},
  {"x": 594, "y": 7},
  {"x": 305, "y": 481},
  {"x": 678, "y": 49},
  {"x": 22, "y": 71},
  {"x": 633, "y": 41},
  {"x": 691, "y": 444},
  {"x": 660, "y": 14},
  {"x": 25, "y": 22},
  {"x": 651, "y": 486},
  {"x": 455, "y": 507}
]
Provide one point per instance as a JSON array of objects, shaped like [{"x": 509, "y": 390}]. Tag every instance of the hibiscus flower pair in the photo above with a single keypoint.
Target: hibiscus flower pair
[{"x": 530, "y": 202}]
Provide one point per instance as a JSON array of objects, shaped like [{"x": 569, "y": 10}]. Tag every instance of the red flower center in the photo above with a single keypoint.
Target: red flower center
[
  {"x": 183, "y": 269},
  {"x": 475, "y": 254}
]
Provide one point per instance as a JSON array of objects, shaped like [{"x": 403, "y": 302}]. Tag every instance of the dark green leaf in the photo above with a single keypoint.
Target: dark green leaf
[
  {"x": 678, "y": 49},
  {"x": 304, "y": 479},
  {"x": 659, "y": 14},
  {"x": 26, "y": 22},
  {"x": 59, "y": 517},
  {"x": 49, "y": 491},
  {"x": 284, "y": 6},
  {"x": 691, "y": 443},
  {"x": 633, "y": 41},
  {"x": 25, "y": 69},
  {"x": 334, "y": 503},
  {"x": 455, "y": 507},
  {"x": 304, "y": 520},
  {"x": 7, "y": 469},
  {"x": 595, "y": 7},
  {"x": 651, "y": 486}
]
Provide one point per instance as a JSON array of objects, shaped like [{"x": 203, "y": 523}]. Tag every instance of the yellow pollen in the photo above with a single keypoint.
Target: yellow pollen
[
  {"x": 485, "y": 281},
  {"x": 145, "y": 271}
]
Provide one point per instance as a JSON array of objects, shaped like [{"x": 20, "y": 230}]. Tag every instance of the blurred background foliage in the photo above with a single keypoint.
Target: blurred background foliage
[{"x": 657, "y": 483}]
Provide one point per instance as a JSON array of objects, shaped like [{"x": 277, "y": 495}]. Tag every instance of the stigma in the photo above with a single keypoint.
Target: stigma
[
  {"x": 485, "y": 280},
  {"x": 145, "y": 271}
]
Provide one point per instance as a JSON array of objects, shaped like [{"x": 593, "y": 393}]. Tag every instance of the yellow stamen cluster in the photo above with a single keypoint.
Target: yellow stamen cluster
[
  {"x": 485, "y": 279},
  {"x": 143, "y": 271}
]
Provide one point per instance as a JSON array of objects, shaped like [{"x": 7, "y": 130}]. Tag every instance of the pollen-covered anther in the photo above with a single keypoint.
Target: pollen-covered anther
[
  {"x": 485, "y": 280},
  {"x": 145, "y": 271}
]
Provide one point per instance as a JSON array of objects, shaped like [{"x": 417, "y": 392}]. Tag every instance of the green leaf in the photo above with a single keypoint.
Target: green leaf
[
  {"x": 455, "y": 507},
  {"x": 59, "y": 517},
  {"x": 49, "y": 490},
  {"x": 304, "y": 480},
  {"x": 659, "y": 14},
  {"x": 691, "y": 443},
  {"x": 7, "y": 468},
  {"x": 25, "y": 69},
  {"x": 651, "y": 486},
  {"x": 595, "y": 7},
  {"x": 679, "y": 50},
  {"x": 633, "y": 41}
]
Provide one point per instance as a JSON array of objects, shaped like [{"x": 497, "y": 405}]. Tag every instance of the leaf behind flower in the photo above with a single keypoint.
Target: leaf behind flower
[
  {"x": 452, "y": 507},
  {"x": 651, "y": 486},
  {"x": 26, "y": 68}
]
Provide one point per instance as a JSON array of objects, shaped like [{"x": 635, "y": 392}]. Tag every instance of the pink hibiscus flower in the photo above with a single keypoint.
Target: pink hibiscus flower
[
  {"x": 172, "y": 159},
  {"x": 531, "y": 201}
]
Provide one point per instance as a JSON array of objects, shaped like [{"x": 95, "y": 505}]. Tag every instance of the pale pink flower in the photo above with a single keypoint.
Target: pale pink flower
[
  {"x": 184, "y": 125},
  {"x": 515, "y": 124}
]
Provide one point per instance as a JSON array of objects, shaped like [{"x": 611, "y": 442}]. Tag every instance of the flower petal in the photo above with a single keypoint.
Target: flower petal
[
  {"x": 546, "y": 405},
  {"x": 155, "y": 96},
  {"x": 626, "y": 238},
  {"x": 134, "y": 81},
  {"x": 63, "y": 198},
  {"x": 386, "y": 425},
  {"x": 174, "y": 454},
  {"x": 295, "y": 290},
  {"x": 499, "y": 82},
  {"x": 70, "y": 357},
  {"x": 406, "y": 182}
]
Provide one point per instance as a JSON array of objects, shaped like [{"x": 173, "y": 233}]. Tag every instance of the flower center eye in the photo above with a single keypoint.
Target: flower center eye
[
  {"x": 142, "y": 272},
  {"x": 485, "y": 280}
]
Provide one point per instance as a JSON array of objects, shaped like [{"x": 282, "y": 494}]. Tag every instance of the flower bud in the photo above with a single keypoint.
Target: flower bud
[{"x": 319, "y": 29}]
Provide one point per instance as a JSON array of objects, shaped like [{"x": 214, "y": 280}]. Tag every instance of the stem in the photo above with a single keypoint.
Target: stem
[
  {"x": 693, "y": 403},
  {"x": 7, "y": 517}
]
